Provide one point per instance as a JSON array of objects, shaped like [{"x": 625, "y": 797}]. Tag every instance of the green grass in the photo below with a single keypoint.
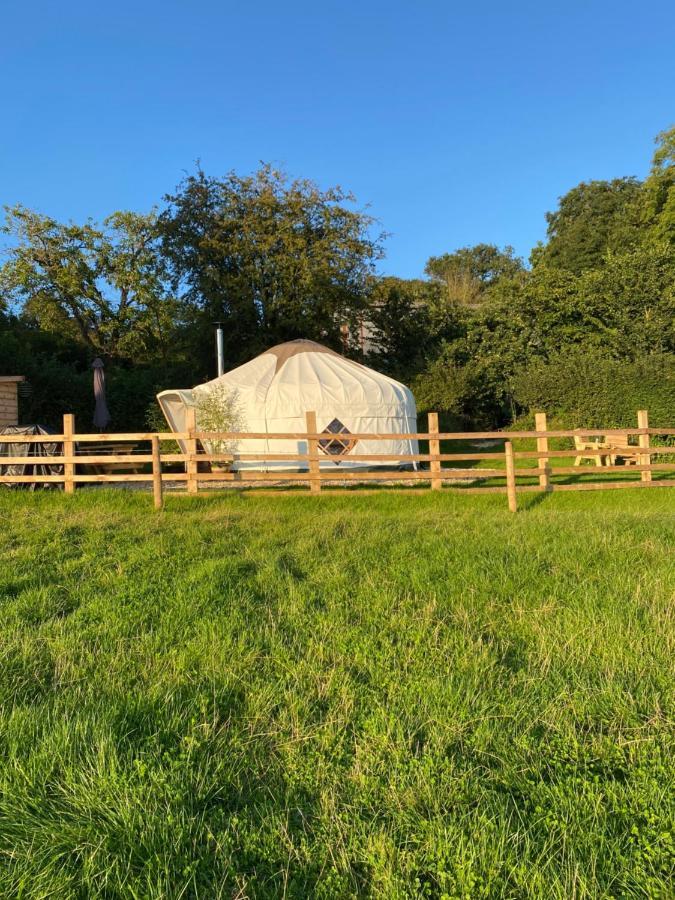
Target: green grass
[{"x": 392, "y": 695}]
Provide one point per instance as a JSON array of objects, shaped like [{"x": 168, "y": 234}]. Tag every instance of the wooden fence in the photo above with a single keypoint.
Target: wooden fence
[{"x": 82, "y": 464}]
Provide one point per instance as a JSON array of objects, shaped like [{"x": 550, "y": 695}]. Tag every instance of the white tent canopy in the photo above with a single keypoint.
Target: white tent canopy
[{"x": 275, "y": 390}]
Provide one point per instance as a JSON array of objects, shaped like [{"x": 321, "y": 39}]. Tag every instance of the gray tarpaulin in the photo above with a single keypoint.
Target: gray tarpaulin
[{"x": 33, "y": 448}]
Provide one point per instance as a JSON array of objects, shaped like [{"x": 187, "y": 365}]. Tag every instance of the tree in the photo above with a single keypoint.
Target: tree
[
  {"x": 630, "y": 302},
  {"x": 476, "y": 393},
  {"x": 104, "y": 286},
  {"x": 623, "y": 312},
  {"x": 272, "y": 259},
  {"x": 592, "y": 218},
  {"x": 218, "y": 409},
  {"x": 659, "y": 191},
  {"x": 408, "y": 320},
  {"x": 469, "y": 272}
]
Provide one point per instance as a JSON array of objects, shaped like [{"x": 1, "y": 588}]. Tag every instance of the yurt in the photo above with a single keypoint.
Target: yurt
[{"x": 274, "y": 391}]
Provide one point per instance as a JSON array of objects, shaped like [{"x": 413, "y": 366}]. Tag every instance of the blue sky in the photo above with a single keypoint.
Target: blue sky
[{"x": 456, "y": 123}]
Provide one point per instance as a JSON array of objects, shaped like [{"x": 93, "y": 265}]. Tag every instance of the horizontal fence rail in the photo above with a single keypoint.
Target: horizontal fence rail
[{"x": 98, "y": 458}]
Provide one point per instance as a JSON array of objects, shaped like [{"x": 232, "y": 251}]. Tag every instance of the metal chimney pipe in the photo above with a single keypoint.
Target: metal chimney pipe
[{"x": 220, "y": 350}]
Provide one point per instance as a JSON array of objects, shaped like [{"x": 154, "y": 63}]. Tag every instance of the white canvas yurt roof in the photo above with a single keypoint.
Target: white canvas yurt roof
[{"x": 275, "y": 390}]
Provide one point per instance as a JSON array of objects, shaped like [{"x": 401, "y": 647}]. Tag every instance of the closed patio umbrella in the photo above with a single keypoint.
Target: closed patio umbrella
[{"x": 101, "y": 414}]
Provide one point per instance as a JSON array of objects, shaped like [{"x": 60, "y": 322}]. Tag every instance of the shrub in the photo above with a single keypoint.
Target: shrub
[
  {"x": 218, "y": 409},
  {"x": 473, "y": 394},
  {"x": 582, "y": 389},
  {"x": 155, "y": 421}
]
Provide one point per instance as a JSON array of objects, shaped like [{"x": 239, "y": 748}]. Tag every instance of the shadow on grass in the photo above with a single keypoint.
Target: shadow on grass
[{"x": 530, "y": 501}]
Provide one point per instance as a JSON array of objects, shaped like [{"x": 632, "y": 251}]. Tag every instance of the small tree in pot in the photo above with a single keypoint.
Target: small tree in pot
[{"x": 218, "y": 409}]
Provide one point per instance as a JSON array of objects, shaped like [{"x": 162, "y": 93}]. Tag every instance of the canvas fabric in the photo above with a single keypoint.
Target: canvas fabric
[{"x": 275, "y": 390}]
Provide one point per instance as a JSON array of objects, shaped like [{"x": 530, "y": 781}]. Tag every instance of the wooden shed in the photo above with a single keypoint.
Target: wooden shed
[{"x": 9, "y": 400}]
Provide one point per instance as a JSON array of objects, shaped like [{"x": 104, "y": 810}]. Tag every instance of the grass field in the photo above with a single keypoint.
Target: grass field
[{"x": 390, "y": 695}]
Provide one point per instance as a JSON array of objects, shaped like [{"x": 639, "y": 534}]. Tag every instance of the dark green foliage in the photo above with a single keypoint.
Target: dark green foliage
[
  {"x": 105, "y": 286},
  {"x": 624, "y": 311},
  {"x": 475, "y": 392},
  {"x": 467, "y": 274},
  {"x": 592, "y": 219},
  {"x": 272, "y": 259},
  {"x": 603, "y": 285},
  {"x": 131, "y": 390},
  {"x": 632, "y": 302},
  {"x": 55, "y": 368},
  {"x": 658, "y": 206},
  {"x": 585, "y": 389},
  {"x": 59, "y": 379},
  {"x": 408, "y": 323}
]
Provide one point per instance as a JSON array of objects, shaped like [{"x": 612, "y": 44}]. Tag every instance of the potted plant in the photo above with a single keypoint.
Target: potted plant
[{"x": 217, "y": 409}]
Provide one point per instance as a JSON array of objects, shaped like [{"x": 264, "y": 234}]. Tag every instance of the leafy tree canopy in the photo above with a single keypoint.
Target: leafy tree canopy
[
  {"x": 408, "y": 321},
  {"x": 469, "y": 272},
  {"x": 592, "y": 219},
  {"x": 271, "y": 258},
  {"x": 104, "y": 286},
  {"x": 659, "y": 190}
]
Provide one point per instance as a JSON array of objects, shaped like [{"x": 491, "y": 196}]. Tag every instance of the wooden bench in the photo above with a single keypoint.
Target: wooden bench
[{"x": 112, "y": 450}]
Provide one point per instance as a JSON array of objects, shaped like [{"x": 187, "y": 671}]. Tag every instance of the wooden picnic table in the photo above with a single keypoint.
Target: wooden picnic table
[
  {"x": 618, "y": 443},
  {"x": 103, "y": 468}
]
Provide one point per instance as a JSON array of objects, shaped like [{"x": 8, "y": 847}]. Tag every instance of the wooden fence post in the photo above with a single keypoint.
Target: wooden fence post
[
  {"x": 156, "y": 473},
  {"x": 643, "y": 440},
  {"x": 510, "y": 477},
  {"x": 191, "y": 447},
  {"x": 313, "y": 451},
  {"x": 542, "y": 447},
  {"x": 68, "y": 450},
  {"x": 434, "y": 450}
]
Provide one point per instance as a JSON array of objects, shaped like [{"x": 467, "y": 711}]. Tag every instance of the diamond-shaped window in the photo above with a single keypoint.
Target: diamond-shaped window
[{"x": 339, "y": 445}]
